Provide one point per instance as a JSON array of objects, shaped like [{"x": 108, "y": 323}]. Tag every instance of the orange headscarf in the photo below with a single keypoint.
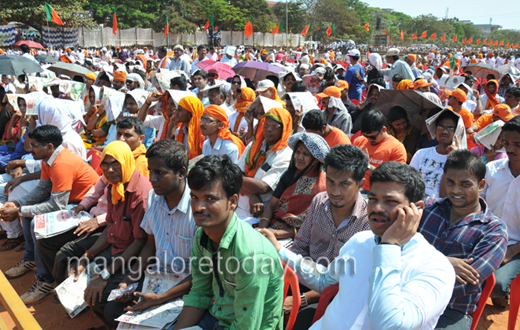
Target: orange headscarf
[
  {"x": 123, "y": 154},
  {"x": 248, "y": 96},
  {"x": 195, "y": 138},
  {"x": 405, "y": 85},
  {"x": 220, "y": 114},
  {"x": 276, "y": 97},
  {"x": 255, "y": 156},
  {"x": 491, "y": 101}
]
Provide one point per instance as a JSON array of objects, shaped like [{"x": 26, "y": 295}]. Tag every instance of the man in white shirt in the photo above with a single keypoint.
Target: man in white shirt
[
  {"x": 389, "y": 277},
  {"x": 502, "y": 192},
  {"x": 228, "y": 57},
  {"x": 490, "y": 59},
  {"x": 212, "y": 55},
  {"x": 180, "y": 62},
  {"x": 27, "y": 53},
  {"x": 201, "y": 51}
]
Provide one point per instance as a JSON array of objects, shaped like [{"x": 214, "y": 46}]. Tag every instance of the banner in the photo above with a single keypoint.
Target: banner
[
  {"x": 7, "y": 34},
  {"x": 53, "y": 37}
]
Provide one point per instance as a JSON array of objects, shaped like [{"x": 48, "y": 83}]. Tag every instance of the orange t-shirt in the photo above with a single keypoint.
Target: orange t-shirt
[
  {"x": 467, "y": 117},
  {"x": 387, "y": 150},
  {"x": 70, "y": 172},
  {"x": 484, "y": 120},
  {"x": 337, "y": 136}
]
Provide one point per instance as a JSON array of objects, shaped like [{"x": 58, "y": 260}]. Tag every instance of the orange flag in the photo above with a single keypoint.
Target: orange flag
[
  {"x": 114, "y": 25},
  {"x": 434, "y": 35},
  {"x": 490, "y": 42},
  {"x": 454, "y": 38},
  {"x": 424, "y": 34},
  {"x": 51, "y": 15},
  {"x": 367, "y": 27},
  {"x": 496, "y": 43},
  {"x": 329, "y": 31},
  {"x": 470, "y": 40},
  {"x": 402, "y": 34},
  {"x": 306, "y": 29},
  {"x": 276, "y": 30},
  {"x": 414, "y": 36},
  {"x": 478, "y": 41},
  {"x": 206, "y": 26},
  {"x": 507, "y": 45},
  {"x": 484, "y": 42},
  {"x": 248, "y": 30},
  {"x": 501, "y": 43},
  {"x": 464, "y": 41},
  {"x": 443, "y": 37}
]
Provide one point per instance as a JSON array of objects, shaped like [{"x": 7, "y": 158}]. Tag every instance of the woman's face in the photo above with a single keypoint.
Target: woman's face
[
  {"x": 235, "y": 84},
  {"x": 92, "y": 97},
  {"x": 22, "y": 106},
  {"x": 272, "y": 131},
  {"x": 399, "y": 125},
  {"x": 302, "y": 157},
  {"x": 130, "y": 104}
]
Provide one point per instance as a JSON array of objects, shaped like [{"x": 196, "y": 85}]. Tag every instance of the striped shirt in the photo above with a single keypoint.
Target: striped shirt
[
  {"x": 481, "y": 236},
  {"x": 319, "y": 238},
  {"x": 173, "y": 231}
]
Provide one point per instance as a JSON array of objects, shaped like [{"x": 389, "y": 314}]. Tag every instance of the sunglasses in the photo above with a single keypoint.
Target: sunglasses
[
  {"x": 372, "y": 137},
  {"x": 212, "y": 75}
]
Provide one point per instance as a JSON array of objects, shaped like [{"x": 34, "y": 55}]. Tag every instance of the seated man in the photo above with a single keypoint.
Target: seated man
[
  {"x": 389, "y": 277},
  {"x": 169, "y": 223},
  {"x": 315, "y": 121},
  {"x": 337, "y": 114},
  {"x": 200, "y": 78},
  {"x": 131, "y": 131},
  {"x": 455, "y": 100},
  {"x": 65, "y": 179},
  {"x": 249, "y": 298},
  {"x": 332, "y": 218},
  {"x": 500, "y": 112},
  {"x": 377, "y": 143},
  {"x": 123, "y": 238},
  {"x": 463, "y": 228}
]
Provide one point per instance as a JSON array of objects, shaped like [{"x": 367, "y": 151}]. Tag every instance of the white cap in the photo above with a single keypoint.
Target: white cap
[
  {"x": 230, "y": 50},
  {"x": 178, "y": 47},
  {"x": 263, "y": 85},
  {"x": 354, "y": 52}
]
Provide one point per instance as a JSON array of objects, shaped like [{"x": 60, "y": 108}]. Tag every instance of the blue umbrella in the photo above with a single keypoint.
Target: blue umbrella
[
  {"x": 256, "y": 71},
  {"x": 17, "y": 65}
]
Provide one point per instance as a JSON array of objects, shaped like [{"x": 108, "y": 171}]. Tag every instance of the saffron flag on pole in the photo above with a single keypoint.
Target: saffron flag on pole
[
  {"x": 414, "y": 36},
  {"x": 402, "y": 34},
  {"x": 490, "y": 42},
  {"x": 454, "y": 38},
  {"x": 501, "y": 43},
  {"x": 496, "y": 43},
  {"x": 306, "y": 29},
  {"x": 387, "y": 30},
  {"x": 166, "y": 26},
  {"x": 470, "y": 40},
  {"x": 52, "y": 15},
  {"x": 484, "y": 42},
  {"x": 206, "y": 26},
  {"x": 367, "y": 27},
  {"x": 330, "y": 30},
  {"x": 464, "y": 41},
  {"x": 424, "y": 34},
  {"x": 276, "y": 29},
  {"x": 248, "y": 30},
  {"x": 434, "y": 35},
  {"x": 478, "y": 41},
  {"x": 443, "y": 37},
  {"x": 114, "y": 24}
]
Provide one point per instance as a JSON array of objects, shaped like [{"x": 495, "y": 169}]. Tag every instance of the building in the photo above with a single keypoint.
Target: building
[
  {"x": 271, "y": 3},
  {"x": 487, "y": 29}
]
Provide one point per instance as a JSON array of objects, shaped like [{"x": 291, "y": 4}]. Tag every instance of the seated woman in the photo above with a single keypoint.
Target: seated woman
[
  {"x": 134, "y": 100},
  {"x": 401, "y": 129},
  {"x": 304, "y": 178},
  {"x": 13, "y": 125},
  {"x": 97, "y": 126},
  {"x": 264, "y": 161},
  {"x": 489, "y": 155}
]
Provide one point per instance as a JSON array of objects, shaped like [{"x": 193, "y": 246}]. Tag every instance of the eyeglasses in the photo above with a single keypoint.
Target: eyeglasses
[
  {"x": 272, "y": 127},
  {"x": 115, "y": 165},
  {"x": 34, "y": 145},
  {"x": 446, "y": 128},
  {"x": 235, "y": 82},
  {"x": 372, "y": 137},
  {"x": 212, "y": 75},
  {"x": 207, "y": 120}
]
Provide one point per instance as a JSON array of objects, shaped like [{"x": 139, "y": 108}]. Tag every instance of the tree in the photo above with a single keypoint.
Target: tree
[
  {"x": 297, "y": 15},
  {"x": 259, "y": 10}
]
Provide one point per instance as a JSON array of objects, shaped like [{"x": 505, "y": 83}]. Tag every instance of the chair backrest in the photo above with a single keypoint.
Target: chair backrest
[
  {"x": 290, "y": 279},
  {"x": 514, "y": 303},
  {"x": 95, "y": 160},
  {"x": 326, "y": 297},
  {"x": 486, "y": 292}
]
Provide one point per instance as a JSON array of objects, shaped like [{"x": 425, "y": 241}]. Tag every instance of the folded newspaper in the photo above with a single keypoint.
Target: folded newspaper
[
  {"x": 312, "y": 81},
  {"x": 71, "y": 293},
  {"x": 488, "y": 135},
  {"x": 55, "y": 223}
]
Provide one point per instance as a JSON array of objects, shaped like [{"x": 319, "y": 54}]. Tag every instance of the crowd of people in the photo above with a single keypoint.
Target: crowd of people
[{"x": 218, "y": 180}]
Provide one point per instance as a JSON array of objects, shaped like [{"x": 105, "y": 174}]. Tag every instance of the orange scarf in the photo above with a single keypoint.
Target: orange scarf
[
  {"x": 219, "y": 114},
  {"x": 165, "y": 115},
  {"x": 248, "y": 96},
  {"x": 195, "y": 137},
  {"x": 276, "y": 97},
  {"x": 491, "y": 101},
  {"x": 405, "y": 85},
  {"x": 163, "y": 63},
  {"x": 255, "y": 156}
]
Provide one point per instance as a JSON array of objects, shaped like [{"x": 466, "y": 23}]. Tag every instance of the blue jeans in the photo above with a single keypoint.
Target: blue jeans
[
  {"x": 454, "y": 320},
  {"x": 32, "y": 253},
  {"x": 504, "y": 276}
]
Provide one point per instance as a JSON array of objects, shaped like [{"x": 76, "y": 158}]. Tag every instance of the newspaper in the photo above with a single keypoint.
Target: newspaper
[
  {"x": 32, "y": 100},
  {"x": 450, "y": 83},
  {"x": 312, "y": 81},
  {"x": 75, "y": 88},
  {"x": 159, "y": 316},
  {"x": 161, "y": 80},
  {"x": 106, "y": 93},
  {"x": 38, "y": 83},
  {"x": 488, "y": 135},
  {"x": 13, "y": 100},
  {"x": 54, "y": 223},
  {"x": 304, "y": 101},
  {"x": 130, "y": 326},
  {"x": 71, "y": 294},
  {"x": 118, "y": 293},
  {"x": 460, "y": 131}
]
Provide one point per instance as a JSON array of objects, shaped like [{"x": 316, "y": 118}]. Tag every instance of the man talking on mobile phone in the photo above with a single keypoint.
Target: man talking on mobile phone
[{"x": 389, "y": 277}]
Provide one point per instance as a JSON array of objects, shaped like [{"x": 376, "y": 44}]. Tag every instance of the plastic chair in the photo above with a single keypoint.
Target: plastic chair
[
  {"x": 356, "y": 102},
  {"x": 326, "y": 297},
  {"x": 95, "y": 160},
  {"x": 514, "y": 303},
  {"x": 486, "y": 292},
  {"x": 290, "y": 279}
]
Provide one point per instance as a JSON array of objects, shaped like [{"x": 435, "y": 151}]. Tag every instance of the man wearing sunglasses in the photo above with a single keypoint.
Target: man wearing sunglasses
[{"x": 379, "y": 146}]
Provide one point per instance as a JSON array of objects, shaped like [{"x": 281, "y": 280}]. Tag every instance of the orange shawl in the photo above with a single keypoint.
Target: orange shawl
[
  {"x": 255, "y": 156},
  {"x": 248, "y": 96},
  {"x": 405, "y": 85},
  {"x": 491, "y": 101},
  {"x": 195, "y": 137},
  {"x": 219, "y": 114}
]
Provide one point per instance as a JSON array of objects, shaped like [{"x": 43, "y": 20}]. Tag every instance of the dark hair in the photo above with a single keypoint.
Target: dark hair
[
  {"x": 349, "y": 158},
  {"x": 469, "y": 77},
  {"x": 466, "y": 160},
  {"x": 163, "y": 50},
  {"x": 373, "y": 121},
  {"x": 200, "y": 47},
  {"x": 104, "y": 76},
  {"x": 201, "y": 73},
  {"x": 395, "y": 57},
  {"x": 24, "y": 48},
  {"x": 173, "y": 152},
  {"x": 298, "y": 86},
  {"x": 329, "y": 75},
  {"x": 403, "y": 174},
  {"x": 396, "y": 113},
  {"x": 141, "y": 73},
  {"x": 314, "y": 120},
  {"x": 2, "y": 94},
  {"x": 355, "y": 58},
  {"x": 378, "y": 81},
  {"x": 211, "y": 169},
  {"x": 515, "y": 91},
  {"x": 397, "y": 77},
  {"x": 46, "y": 134},
  {"x": 512, "y": 126},
  {"x": 132, "y": 122},
  {"x": 447, "y": 115},
  {"x": 78, "y": 79},
  {"x": 179, "y": 82}
]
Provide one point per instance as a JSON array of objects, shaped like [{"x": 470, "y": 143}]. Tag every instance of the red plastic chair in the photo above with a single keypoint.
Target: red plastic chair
[
  {"x": 290, "y": 279},
  {"x": 514, "y": 303},
  {"x": 326, "y": 297},
  {"x": 95, "y": 160},
  {"x": 356, "y": 102},
  {"x": 486, "y": 292}
]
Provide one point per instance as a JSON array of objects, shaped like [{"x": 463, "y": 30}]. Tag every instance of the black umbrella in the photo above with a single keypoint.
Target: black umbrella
[
  {"x": 46, "y": 58},
  {"x": 17, "y": 65}
]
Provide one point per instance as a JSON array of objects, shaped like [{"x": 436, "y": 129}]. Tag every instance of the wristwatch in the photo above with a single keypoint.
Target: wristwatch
[
  {"x": 97, "y": 115},
  {"x": 304, "y": 302},
  {"x": 105, "y": 275}
]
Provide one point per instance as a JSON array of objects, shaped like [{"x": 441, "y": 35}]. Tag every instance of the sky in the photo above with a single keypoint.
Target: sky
[{"x": 503, "y": 12}]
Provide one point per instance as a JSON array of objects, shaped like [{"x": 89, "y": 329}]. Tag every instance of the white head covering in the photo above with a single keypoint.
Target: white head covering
[
  {"x": 139, "y": 96},
  {"x": 303, "y": 100},
  {"x": 114, "y": 105},
  {"x": 375, "y": 60},
  {"x": 136, "y": 77},
  {"x": 460, "y": 131}
]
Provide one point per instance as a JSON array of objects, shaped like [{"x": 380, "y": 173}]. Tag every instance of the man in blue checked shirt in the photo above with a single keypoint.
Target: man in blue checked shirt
[{"x": 463, "y": 228}]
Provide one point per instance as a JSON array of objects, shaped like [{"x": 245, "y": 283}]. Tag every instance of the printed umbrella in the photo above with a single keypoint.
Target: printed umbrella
[
  {"x": 29, "y": 43},
  {"x": 256, "y": 71},
  {"x": 481, "y": 70},
  {"x": 17, "y": 65},
  {"x": 224, "y": 70}
]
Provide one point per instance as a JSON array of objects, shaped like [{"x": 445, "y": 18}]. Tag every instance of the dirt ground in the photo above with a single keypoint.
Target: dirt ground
[{"x": 52, "y": 316}]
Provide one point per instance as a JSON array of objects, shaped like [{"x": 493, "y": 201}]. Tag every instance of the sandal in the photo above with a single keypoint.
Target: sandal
[
  {"x": 20, "y": 247},
  {"x": 3, "y": 235},
  {"x": 11, "y": 243}
]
